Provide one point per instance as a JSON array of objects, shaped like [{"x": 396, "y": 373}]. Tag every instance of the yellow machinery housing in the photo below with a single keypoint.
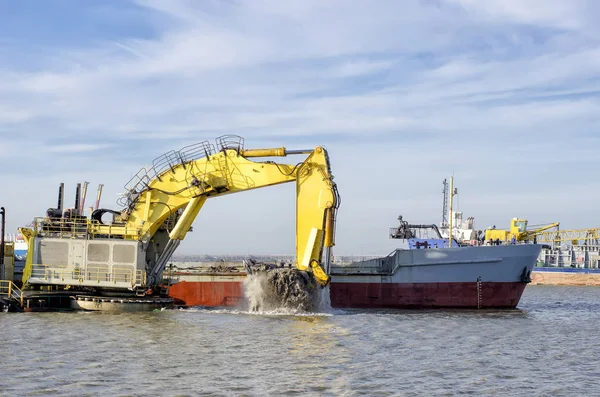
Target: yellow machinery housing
[
  {"x": 159, "y": 207},
  {"x": 518, "y": 230}
]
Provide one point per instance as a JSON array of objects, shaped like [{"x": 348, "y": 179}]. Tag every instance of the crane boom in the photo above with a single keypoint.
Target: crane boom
[
  {"x": 518, "y": 230},
  {"x": 589, "y": 236}
]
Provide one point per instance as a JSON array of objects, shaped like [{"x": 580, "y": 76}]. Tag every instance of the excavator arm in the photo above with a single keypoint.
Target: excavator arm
[{"x": 166, "y": 198}]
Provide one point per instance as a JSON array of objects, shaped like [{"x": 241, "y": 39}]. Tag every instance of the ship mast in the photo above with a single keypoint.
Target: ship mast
[
  {"x": 445, "y": 205},
  {"x": 452, "y": 193}
]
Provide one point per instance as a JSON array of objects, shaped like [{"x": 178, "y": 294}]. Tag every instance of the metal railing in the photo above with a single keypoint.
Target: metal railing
[
  {"x": 140, "y": 181},
  {"x": 79, "y": 228},
  {"x": 92, "y": 275},
  {"x": 9, "y": 290},
  {"x": 63, "y": 227},
  {"x": 233, "y": 142},
  {"x": 170, "y": 160}
]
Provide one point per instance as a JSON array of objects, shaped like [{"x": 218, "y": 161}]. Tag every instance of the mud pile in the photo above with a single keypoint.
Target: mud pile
[
  {"x": 292, "y": 288},
  {"x": 270, "y": 288}
]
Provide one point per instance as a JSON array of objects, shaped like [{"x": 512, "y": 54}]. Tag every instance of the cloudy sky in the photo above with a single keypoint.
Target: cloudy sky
[{"x": 503, "y": 94}]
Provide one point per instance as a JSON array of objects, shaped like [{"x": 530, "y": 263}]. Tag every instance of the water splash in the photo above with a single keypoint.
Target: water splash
[
  {"x": 289, "y": 291},
  {"x": 323, "y": 303}
]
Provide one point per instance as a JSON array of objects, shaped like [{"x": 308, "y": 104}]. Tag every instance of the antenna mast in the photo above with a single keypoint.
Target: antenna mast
[
  {"x": 445, "y": 205},
  {"x": 453, "y": 192}
]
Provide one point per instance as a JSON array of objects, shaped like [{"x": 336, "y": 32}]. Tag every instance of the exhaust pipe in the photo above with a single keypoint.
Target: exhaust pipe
[
  {"x": 77, "y": 194},
  {"x": 61, "y": 195},
  {"x": 3, "y": 214},
  {"x": 83, "y": 194},
  {"x": 98, "y": 196}
]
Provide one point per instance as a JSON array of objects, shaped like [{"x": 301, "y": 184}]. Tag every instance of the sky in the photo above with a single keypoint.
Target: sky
[{"x": 502, "y": 94}]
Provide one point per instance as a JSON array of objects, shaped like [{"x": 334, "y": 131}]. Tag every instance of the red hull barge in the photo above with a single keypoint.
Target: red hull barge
[
  {"x": 426, "y": 295},
  {"x": 207, "y": 293},
  {"x": 359, "y": 295},
  {"x": 464, "y": 277},
  {"x": 208, "y": 286}
]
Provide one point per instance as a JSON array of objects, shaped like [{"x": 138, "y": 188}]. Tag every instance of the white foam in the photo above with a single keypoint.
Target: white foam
[{"x": 276, "y": 312}]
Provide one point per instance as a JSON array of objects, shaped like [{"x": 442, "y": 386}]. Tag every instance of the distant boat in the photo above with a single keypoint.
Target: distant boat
[{"x": 20, "y": 254}]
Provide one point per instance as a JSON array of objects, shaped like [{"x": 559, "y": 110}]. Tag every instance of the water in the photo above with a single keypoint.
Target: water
[{"x": 548, "y": 347}]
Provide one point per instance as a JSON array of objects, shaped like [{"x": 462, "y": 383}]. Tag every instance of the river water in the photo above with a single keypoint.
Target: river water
[{"x": 548, "y": 347}]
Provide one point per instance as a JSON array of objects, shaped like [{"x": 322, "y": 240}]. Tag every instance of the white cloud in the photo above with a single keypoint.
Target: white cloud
[
  {"x": 362, "y": 67},
  {"x": 75, "y": 148},
  {"x": 503, "y": 93},
  {"x": 569, "y": 15}
]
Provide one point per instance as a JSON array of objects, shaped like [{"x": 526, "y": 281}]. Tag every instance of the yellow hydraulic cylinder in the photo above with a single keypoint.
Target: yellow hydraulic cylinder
[
  {"x": 276, "y": 152},
  {"x": 187, "y": 218},
  {"x": 329, "y": 221}
]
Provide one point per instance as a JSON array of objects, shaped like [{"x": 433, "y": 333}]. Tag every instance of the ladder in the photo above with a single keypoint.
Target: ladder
[{"x": 10, "y": 293}]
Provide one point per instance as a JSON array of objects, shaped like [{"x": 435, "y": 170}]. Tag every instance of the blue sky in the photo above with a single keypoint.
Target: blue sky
[{"x": 504, "y": 94}]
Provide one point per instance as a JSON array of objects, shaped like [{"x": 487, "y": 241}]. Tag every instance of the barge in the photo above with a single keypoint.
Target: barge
[{"x": 421, "y": 277}]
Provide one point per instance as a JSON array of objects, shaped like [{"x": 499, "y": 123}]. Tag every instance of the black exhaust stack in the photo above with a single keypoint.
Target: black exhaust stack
[
  {"x": 3, "y": 213},
  {"x": 58, "y": 211},
  {"x": 61, "y": 195},
  {"x": 77, "y": 195}
]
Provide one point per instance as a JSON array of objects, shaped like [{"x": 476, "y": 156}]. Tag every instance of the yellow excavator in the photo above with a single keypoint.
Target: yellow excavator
[
  {"x": 518, "y": 230},
  {"x": 130, "y": 251}
]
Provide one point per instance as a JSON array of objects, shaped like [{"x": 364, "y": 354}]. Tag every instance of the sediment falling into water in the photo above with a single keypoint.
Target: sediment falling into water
[{"x": 288, "y": 289}]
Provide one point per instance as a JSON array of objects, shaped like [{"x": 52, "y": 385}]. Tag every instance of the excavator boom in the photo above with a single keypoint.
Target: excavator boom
[{"x": 162, "y": 200}]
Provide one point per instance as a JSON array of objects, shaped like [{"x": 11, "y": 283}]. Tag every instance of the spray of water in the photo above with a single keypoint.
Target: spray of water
[
  {"x": 323, "y": 304},
  {"x": 255, "y": 287}
]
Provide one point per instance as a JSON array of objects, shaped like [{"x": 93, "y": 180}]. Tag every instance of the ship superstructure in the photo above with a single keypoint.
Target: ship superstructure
[{"x": 463, "y": 229}]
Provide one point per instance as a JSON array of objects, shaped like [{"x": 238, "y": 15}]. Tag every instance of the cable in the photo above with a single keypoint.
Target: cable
[
  {"x": 283, "y": 173},
  {"x": 169, "y": 193}
]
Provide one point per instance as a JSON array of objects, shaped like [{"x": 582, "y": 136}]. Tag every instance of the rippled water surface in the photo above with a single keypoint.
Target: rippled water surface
[{"x": 548, "y": 347}]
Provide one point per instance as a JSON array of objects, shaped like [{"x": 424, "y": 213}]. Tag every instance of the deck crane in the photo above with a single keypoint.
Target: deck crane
[
  {"x": 159, "y": 206},
  {"x": 575, "y": 237},
  {"x": 519, "y": 230}
]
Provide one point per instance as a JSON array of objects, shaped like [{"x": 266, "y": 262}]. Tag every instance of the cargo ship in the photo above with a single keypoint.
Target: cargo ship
[
  {"x": 436, "y": 271},
  {"x": 19, "y": 244},
  {"x": 432, "y": 273},
  {"x": 464, "y": 277}
]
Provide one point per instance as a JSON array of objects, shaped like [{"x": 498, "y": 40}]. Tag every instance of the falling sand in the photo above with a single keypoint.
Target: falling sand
[{"x": 269, "y": 289}]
